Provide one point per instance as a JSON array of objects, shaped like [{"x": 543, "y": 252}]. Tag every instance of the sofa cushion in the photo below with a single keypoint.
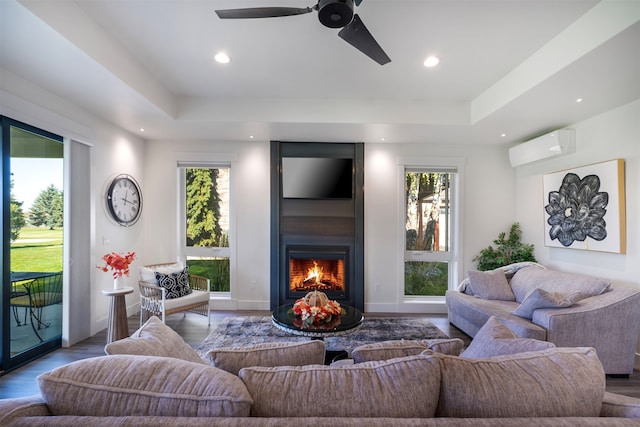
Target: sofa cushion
[
  {"x": 232, "y": 359},
  {"x": 123, "y": 385},
  {"x": 148, "y": 274},
  {"x": 176, "y": 284},
  {"x": 496, "y": 339},
  {"x": 154, "y": 338},
  {"x": 400, "y": 348},
  {"x": 489, "y": 285},
  {"x": 558, "y": 382},
  {"x": 528, "y": 279},
  {"x": 539, "y": 298},
  {"x": 405, "y": 387}
]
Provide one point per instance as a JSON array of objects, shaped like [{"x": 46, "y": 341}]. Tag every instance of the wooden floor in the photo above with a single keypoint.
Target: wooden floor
[{"x": 194, "y": 329}]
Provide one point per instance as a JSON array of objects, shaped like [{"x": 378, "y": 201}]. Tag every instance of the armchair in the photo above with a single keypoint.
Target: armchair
[{"x": 154, "y": 300}]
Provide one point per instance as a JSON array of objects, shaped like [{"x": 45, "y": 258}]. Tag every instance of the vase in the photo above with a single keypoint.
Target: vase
[{"x": 118, "y": 282}]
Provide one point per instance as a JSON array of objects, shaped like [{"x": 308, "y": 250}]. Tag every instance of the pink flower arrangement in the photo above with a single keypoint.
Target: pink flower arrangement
[
  {"x": 314, "y": 315},
  {"x": 117, "y": 263}
]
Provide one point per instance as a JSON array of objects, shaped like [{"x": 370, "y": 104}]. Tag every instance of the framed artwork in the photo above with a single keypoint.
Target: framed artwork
[{"x": 584, "y": 208}]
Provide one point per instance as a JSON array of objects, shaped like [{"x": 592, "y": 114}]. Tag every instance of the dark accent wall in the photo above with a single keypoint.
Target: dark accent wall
[{"x": 323, "y": 222}]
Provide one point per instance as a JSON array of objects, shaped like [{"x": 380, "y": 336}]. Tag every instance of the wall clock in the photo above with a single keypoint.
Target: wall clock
[{"x": 124, "y": 200}]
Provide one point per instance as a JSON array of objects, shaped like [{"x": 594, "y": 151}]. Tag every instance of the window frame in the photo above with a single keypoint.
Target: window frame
[
  {"x": 454, "y": 166},
  {"x": 185, "y": 251}
]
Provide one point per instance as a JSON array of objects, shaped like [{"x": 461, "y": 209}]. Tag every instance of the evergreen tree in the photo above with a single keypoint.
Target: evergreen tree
[
  {"x": 17, "y": 216},
  {"x": 47, "y": 208},
  {"x": 203, "y": 207}
]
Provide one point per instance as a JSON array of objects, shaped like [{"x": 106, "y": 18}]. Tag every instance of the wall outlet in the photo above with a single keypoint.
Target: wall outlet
[{"x": 252, "y": 285}]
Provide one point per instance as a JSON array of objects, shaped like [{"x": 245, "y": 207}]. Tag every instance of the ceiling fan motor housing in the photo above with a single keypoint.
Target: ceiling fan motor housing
[{"x": 335, "y": 13}]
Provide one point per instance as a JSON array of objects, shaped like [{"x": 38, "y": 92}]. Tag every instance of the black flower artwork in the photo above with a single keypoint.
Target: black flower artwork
[{"x": 576, "y": 211}]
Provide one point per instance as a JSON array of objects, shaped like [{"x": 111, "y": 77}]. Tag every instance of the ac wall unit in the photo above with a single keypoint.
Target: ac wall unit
[{"x": 556, "y": 143}]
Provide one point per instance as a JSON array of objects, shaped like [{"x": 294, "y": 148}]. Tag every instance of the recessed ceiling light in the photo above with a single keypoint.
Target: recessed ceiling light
[
  {"x": 222, "y": 58},
  {"x": 579, "y": 100},
  {"x": 382, "y": 139},
  {"x": 141, "y": 129},
  {"x": 503, "y": 135},
  {"x": 250, "y": 136},
  {"x": 431, "y": 61}
]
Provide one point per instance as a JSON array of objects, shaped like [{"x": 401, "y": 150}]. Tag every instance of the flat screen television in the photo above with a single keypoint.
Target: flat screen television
[{"x": 317, "y": 178}]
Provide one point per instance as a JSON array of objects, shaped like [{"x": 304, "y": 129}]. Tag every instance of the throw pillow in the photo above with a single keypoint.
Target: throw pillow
[
  {"x": 117, "y": 386},
  {"x": 148, "y": 274},
  {"x": 232, "y": 359},
  {"x": 530, "y": 278},
  {"x": 154, "y": 338},
  {"x": 406, "y": 387},
  {"x": 176, "y": 284},
  {"x": 559, "y": 382},
  {"x": 495, "y": 339},
  {"x": 490, "y": 285},
  {"x": 539, "y": 298},
  {"x": 391, "y": 349}
]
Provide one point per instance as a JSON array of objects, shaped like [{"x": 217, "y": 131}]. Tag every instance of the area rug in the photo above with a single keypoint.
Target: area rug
[{"x": 248, "y": 330}]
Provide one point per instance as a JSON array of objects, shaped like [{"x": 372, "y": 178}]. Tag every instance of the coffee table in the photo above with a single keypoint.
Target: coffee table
[{"x": 283, "y": 319}]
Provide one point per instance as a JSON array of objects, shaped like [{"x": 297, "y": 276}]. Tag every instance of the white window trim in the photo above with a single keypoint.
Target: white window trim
[
  {"x": 455, "y": 256},
  {"x": 224, "y": 160}
]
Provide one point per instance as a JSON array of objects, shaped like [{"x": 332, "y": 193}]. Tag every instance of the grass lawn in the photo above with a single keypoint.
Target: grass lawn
[{"x": 37, "y": 249}]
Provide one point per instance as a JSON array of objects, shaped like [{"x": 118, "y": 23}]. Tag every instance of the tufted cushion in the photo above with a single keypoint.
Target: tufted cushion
[
  {"x": 154, "y": 338},
  {"x": 148, "y": 274},
  {"x": 489, "y": 285},
  {"x": 114, "y": 386},
  {"x": 176, "y": 284},
  {"x": 232, "y": 359},
  {"x": 405, "y": 387},
  {"x": 400, "y": 348},
  {"x": 495, "y": 339},
  {"x": 528, "y": 279},
  {"x": 559, "y": 382},
  {"x": 539, "y": 298}
]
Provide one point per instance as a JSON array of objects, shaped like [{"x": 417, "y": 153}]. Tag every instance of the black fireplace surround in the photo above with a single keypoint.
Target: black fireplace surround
[{"x": 317, "y": 242}]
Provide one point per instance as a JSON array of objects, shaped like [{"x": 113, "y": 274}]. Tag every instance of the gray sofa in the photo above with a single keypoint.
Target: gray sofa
[
  {"x": 569, "y": 310},
  {"x": 395, "y": 383}
]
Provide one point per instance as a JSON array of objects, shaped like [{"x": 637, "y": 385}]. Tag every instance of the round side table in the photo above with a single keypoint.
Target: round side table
[{"x": 118, "y": 327}]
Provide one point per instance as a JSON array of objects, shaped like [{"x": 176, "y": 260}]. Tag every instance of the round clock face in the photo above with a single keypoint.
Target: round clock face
[{"x": 124, "y": 200}]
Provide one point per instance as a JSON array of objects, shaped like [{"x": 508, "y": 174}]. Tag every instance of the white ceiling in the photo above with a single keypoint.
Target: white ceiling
[{"x": 506, "y": 66}]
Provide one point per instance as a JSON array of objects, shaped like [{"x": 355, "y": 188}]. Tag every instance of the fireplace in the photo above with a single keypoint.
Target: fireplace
[
  {"x": 317, "y": 238},
  {"x": 321, "y": 268}
]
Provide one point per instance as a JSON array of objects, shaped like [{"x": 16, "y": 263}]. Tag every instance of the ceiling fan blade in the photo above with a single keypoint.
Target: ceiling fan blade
[
  {"x": 261, "y": 12},
  {"x": 356, "y": 34}
]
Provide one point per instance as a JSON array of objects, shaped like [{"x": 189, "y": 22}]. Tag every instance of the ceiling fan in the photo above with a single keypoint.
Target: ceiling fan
[{"x": 332, "y": 14}]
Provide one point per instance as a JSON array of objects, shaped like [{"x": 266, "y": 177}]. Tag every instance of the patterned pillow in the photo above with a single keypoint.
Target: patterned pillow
[{"x": 176, "y": 284}]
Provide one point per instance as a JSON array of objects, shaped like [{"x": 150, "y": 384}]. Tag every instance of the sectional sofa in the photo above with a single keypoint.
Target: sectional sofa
[
  {"x": 567, "y": 309},
  {"x": 155, "y": 379}
]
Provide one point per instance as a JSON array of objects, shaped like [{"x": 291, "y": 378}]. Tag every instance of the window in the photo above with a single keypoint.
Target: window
[
  {"x": 205, "y": 223},
  {"x": 429, "y": 256}
]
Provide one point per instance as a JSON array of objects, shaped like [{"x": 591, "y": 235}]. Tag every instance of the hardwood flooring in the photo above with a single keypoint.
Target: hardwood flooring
[{"x": 194, "y": 329}]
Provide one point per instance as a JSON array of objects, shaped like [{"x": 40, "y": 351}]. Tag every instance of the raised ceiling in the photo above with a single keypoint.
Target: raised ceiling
[{"x": 512, "y": 67}]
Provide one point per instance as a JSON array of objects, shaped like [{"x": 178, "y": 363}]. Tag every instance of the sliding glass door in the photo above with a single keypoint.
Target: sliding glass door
[{"x": 32, "y": 255}]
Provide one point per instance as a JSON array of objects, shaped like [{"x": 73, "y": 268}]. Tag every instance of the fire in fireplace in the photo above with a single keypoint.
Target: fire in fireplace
[{"x": 316, "y": 274}]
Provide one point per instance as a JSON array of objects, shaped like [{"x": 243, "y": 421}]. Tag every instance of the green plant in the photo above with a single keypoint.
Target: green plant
[{"x": 508, "y": 251}]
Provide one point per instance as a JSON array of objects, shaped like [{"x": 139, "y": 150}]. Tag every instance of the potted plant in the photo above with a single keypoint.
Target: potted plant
[{"x": 508, "y": 251}]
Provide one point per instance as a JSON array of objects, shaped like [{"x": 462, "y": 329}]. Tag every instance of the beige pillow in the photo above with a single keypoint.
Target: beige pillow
[
  {"x": 559, "y": 382},
  {"x": 232, "y": 359},
  {"x": 154, "y": 338},
  {"x": 148, "y": 274},
  {"x": 398, "y": 388},
  {"x": 489, "y": 285},
  {"x": 530, "y": 278},
  {"x": 539, "y": 298},
  {"x": 495, "y": 339},
  {"x": 116, "y": 386},
  {"x": 400, "y": 348}
]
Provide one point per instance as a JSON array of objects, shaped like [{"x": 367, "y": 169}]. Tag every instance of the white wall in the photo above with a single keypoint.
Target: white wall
[
  {"x": 612, "y": 135},
  {"x": 113, "y": 151}
]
